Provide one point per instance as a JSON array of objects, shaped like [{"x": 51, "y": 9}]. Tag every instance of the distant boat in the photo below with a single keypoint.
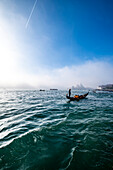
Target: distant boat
[
  {"x": 42, "y": 90},
  {"x": 53, "y": 89}
]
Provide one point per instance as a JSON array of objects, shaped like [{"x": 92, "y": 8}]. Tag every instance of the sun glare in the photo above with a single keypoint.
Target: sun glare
[{"x": 8, "y": 54}]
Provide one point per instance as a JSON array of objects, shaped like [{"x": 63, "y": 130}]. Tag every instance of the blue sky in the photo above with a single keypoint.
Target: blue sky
[{"x": 65, "y": 42}]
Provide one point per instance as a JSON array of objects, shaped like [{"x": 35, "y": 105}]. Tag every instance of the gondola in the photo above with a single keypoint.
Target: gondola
[{"x": 77, "y": 97}]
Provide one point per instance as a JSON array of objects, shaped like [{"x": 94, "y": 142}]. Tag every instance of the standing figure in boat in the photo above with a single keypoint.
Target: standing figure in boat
[
  {"x": 76, "y": 96},
  {"x": 69, "y": 92}
]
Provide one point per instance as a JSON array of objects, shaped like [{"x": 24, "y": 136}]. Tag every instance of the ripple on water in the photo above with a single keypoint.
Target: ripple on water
[{"x": 43, "y": 131}]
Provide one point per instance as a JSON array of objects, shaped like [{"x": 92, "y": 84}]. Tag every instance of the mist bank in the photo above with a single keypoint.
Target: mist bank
[{"x": 91, "y": 74}]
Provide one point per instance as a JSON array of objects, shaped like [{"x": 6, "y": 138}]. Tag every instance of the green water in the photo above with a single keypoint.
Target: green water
[{"x": 42, "y": 131}]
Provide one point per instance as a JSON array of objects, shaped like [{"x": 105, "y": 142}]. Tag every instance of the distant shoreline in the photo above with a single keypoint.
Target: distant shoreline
[{"x": 110, "y": 90}]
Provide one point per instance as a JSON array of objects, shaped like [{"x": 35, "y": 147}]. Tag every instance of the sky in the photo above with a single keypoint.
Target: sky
[{"x": 56, "y": 44}]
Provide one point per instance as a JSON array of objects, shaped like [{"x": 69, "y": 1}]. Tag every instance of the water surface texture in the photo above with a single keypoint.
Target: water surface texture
[{"x": 40, "y": 130}]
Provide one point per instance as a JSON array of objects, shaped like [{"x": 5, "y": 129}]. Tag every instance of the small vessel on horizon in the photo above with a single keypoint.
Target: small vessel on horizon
[
  {"x": 42, "y": 90},
  {"x": 53, "y": 89}
]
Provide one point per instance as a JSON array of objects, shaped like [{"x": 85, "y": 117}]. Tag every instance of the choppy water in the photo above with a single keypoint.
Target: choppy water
[{"x": 41, "y": 130}]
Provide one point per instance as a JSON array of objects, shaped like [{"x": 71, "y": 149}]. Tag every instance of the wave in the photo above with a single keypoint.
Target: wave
[{"x": 43, "y": 131}]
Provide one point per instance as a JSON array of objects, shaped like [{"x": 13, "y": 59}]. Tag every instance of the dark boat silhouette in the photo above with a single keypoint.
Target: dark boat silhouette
[{"x": 77, "y": 97}]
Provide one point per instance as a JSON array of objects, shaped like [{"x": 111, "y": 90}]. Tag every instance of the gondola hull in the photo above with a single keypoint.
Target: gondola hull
[{"x": 77, "y": 98}]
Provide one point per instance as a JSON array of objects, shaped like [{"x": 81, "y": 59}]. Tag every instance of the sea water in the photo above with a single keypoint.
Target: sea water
[{"x": 41, "y": 130}]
